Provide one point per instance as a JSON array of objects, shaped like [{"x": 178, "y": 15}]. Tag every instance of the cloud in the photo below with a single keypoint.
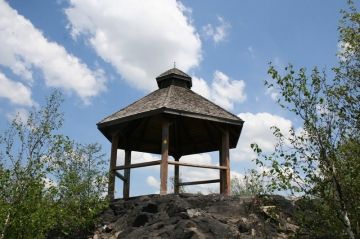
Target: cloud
[
  {"x": 189, "y": 174},
  {"x": 16, "y": 92},
  {"x": 226, "y": 91},
  {"x": 136, "y": 157},
  {"x": 49, "y": 183},
  {"x": 200, "y": 86},
  {"x": 344, "y": 50},
  {"x": 217, "y": 33},
  {"x": 19, "y": 113},
  {"x": 141, "y": 39},
  {"x": 257, "y": 130},
  {"x": 223, "y": 91},
  {"x": 24, "y": 48},
  {"x": 273, "y": 93},
  {"x": 153, "y": 182}
]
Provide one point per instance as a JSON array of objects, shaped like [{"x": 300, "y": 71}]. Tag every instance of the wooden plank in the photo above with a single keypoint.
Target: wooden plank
[
  {"x": 199, "y": 182},
  {"x": 126, "y": 187},
  {"x": 176, "y": 176},
  {"x": 120, "y": 176},
  {"x": 138, "y": 165},
  {"x": 164, "y": 158},
  {"x": 111, "y": 185},
  {"x": 197, "y": 165}
]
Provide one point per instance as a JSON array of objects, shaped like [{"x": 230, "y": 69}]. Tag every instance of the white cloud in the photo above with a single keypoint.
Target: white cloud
[
  {"x": 136, "y": 157},
  {"x": 274, "y": 94},
  {"x": 344, "y": 50},
  {"x": 200, "y": 86},
  {"x": 24, "y": 48},
  {"x": 224, "y": 91},
  {"x": 189, "y": 174},
  {"x": 153, "y": 182},
  {"x": 16, "y": 92},
  {"x": 19, "y": 113},
  {"x": 257, "y": 130},
  {"x": 141, "y": 39},
  {"x": 218, "y": 33}
]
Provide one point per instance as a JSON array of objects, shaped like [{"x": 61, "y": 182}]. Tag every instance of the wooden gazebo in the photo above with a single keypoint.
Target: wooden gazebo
[{"x": 175, "y": 121}]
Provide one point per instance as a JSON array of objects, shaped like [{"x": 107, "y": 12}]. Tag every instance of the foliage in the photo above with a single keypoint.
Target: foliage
[
  {"x": 172, "y": 183},
  {"x": 81, "y": 181},
  {"x": 321, "y": 160},
  {"x": 316, "y": 219},
  {"x": 250, "y": 185},
  {"x": 47, "y": 182}
]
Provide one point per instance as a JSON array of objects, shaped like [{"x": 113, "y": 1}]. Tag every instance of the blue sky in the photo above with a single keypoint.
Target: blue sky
[{"x": 103, "y": 55}]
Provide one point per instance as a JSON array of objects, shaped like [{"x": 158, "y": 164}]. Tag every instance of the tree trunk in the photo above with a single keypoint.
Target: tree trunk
[{"x": 343, "y": 209}]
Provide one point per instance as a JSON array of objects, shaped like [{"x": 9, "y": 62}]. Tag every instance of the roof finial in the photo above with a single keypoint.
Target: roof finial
[{"x": 174, "y": 64}]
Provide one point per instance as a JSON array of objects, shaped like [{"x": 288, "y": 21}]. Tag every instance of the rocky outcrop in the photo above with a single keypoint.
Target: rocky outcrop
[{"x": 197, "y": 216}]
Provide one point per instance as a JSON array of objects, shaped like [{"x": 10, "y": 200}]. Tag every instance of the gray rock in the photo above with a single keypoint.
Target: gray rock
[{"x": 197, "y": 216}]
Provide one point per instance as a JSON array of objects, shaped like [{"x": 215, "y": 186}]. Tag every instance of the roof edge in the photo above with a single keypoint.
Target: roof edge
[{"x": 169, "y": 111}]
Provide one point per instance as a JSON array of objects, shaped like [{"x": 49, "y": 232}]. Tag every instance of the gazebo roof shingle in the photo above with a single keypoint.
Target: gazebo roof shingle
[{"x": 172, "y": 100}]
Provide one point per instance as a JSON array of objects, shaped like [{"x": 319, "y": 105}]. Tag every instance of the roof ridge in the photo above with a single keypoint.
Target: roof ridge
[
  {"x": 174, "y": 71},
  {"x": 167, "y": 98}
]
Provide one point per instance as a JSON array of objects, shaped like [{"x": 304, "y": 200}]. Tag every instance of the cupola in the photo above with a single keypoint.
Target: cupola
[{"x": 174, "y": 76}]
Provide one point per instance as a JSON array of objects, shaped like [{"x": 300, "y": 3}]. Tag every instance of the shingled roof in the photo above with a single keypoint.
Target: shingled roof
[
  {"x": 173, "y": 100},
  {"x": 196, "y": 126}
]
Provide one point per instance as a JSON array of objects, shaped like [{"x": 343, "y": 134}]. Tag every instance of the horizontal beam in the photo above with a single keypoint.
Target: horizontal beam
[
  {"x": 119, "y": 175},
  {"x": 138, "y": 165},
  {"x": 199, "y": 182},
  {"x": 196, "y": 165}
]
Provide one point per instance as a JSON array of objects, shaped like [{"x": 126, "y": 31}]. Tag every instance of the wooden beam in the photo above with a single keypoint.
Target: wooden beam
[
  {"x": 138, "y": 165},
  {"x": 111, "y": 185},
  {"x": 164, "y": 157},
  {"x": 120, "y": 176},
  {"x": 197, "y": 165},
  {"x": 126, "y": 187},
  {"x": 199, "y": 182},
  {"x": 176, "y": 176},
  {"x": 221, "y": 173},
  {"x": 225, "y": 161}
]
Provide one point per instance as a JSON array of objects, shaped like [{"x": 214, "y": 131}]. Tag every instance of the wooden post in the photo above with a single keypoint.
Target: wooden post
[
  {"x": 126, "y": 188},
  {"x": 111, "y": 185},
  {"x": 225, "y": 161},
  {"x": 221, "y": 172},
  {"x": 164, "y": 158},
  {"x": 176, "y": 176}
]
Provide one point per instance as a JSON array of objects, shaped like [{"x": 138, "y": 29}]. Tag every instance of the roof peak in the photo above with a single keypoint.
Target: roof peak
[
  {"x": 175, "y": 71},
  {"x": 174, "y": 76}
]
